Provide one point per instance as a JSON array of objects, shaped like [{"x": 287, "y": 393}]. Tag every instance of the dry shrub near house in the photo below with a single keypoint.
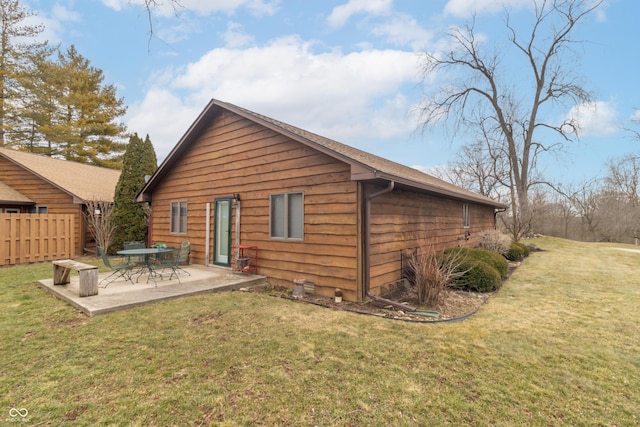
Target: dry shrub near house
[
  {"x": 433, "y": 273},
  {"x": 495, "y": 241}
]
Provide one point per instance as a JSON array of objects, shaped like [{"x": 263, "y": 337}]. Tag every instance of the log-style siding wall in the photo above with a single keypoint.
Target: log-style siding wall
[
  {"x": 237, "y": 156},
  {"x": 45, "y": 194},
  {"x": 400, "y": 219}
]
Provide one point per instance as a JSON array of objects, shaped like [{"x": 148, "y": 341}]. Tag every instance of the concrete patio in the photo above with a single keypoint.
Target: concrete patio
[{"x": 122, "y": 295}]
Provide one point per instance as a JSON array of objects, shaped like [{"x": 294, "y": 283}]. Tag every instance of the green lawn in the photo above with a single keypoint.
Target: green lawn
[{"x": 559, "y": 344}]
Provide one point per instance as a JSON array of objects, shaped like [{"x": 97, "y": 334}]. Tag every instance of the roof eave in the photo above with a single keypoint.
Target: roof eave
[
  {"x": 194, "y": 130},
  {"x": 210, "y": 111},
  {"x": 16, "y": 203},
  {"x": 359, "y": 171},
  {"x": 435, "y": 190}
]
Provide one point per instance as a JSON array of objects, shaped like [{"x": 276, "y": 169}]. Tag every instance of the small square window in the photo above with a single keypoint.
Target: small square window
[{"x": 286, "y": 217}]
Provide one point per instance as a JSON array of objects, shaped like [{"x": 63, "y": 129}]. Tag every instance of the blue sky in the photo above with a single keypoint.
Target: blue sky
[{"x": 346, "y": 69}]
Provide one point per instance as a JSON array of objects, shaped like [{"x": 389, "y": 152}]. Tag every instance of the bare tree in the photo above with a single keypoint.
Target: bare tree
[
  {"x": 624, "y": 177},
  {"x": 587, "y": 200},
  {"x": 478, "y": 168},
  {"x": 509, "y": 114},
  {"x": 100, "y": 222},
  {"x": 622, "y": 187},
  {"x": 151, "y": 5},
  {"x": 634, "y": 127}
]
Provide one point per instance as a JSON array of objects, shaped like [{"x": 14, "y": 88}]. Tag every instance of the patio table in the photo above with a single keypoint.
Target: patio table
[{"x": 143, "y": 252}]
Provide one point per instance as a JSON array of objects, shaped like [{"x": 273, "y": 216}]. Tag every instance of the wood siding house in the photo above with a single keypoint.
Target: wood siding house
[
  {"x": 32, "y": 183},
  {"x": 316, "y": 209}
]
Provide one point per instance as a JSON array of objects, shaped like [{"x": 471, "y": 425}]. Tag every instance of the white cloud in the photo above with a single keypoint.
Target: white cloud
[
  {"x": 347, "y": 97},
  {"x": 466, "y": 8},
  {"x": 169, "y": 8},
  {"x": 54, "y": 23},
  {"x": 404, "y": 30},
  {"x": 162, "y": 115},
  {"x": 236, "y": 37},
  {"x": 597, "y": 118},
  {"x": 341, "y": 14}
]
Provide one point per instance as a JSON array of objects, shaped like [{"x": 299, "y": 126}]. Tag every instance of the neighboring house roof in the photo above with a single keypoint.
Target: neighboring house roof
[
  {"x": 10, "y": 196},
  {"x": 364, "y": 166},
  {"x": 83, "y": 182}
]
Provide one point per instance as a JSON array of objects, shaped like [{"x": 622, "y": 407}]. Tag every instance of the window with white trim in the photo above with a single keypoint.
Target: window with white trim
[
  {"x": 286, "y": 217},
  {"x": 465, "y": 216},
  {"x": 179, "y": 217}
]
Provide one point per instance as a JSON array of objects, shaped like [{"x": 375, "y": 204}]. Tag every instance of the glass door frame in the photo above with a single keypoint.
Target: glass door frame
[{"x": 217, "y": 203}]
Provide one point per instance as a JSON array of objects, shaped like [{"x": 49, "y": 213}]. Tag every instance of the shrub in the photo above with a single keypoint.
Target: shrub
[
  {"x": 494, "y": 259},
  {"x": 476, "y": 274},
  {"x": 478, "y": 277},
  {"x": 495, "y": 241},
  {"x": 517, "y": 251},
  {"x": 432, "y": 273}
]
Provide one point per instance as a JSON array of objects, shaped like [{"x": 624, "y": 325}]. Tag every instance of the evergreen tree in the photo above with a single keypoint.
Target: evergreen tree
[
  {"x": 84, "y": 127},
  {"x": 131, "y": 217},
  {"x": 18, "y": 52},
  {"x": 32, "y": 118}
]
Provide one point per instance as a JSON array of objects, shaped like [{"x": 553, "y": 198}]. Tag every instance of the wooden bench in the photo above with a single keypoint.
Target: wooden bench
[{"x": 88, "y": 275}]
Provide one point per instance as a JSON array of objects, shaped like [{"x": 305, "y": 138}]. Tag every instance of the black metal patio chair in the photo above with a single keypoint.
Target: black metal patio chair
[
  {"x": 136, "y": 259},
  {"x": 164, "y": 263},
  {"x": 119, "y": 266},
  {"x": 183, "y": 256}
]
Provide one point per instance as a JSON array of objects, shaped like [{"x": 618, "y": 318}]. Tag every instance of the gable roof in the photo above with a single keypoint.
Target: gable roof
[
  {"x": 8, "y": 195},
  {"x": 364, "y": 166},
  {"x": 83, "y": 182}
]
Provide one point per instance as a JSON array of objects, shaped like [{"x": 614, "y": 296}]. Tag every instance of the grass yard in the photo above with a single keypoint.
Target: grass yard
[{"x": 558, "y": 345}]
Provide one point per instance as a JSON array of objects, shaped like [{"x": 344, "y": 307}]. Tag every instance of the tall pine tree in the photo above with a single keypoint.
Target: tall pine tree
[
  {"x": 85, "y": 127},
  {"x": 18, "y": 52},
  {"x": 131, "y": 217}
]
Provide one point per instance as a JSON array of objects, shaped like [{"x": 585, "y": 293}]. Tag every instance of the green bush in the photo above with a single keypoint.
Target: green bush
[
  {"x": 478, "y": 273},
  {"x": 517, "y": 251},
  {"x": 494, "y": 259},
  {"x": 478, "y": 277}
]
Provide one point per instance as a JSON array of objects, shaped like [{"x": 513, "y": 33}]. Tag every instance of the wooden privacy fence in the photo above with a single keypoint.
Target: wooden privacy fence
[{"x": 26, "y": 238}]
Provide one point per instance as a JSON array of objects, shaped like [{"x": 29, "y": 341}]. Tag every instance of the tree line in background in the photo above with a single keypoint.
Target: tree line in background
[
  {"x": 53, "y": 102},
  {"x": 606, "y": 209}
]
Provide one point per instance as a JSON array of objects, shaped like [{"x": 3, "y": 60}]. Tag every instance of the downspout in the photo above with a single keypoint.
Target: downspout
[{"x": 367, "y": 250}]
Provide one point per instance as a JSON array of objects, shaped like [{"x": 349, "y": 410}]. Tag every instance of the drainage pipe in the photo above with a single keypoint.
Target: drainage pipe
[{"x": 367, "y": 250}]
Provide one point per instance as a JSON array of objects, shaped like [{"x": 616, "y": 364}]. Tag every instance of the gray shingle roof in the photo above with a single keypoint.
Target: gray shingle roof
[{"x": 84, "y": 182}]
